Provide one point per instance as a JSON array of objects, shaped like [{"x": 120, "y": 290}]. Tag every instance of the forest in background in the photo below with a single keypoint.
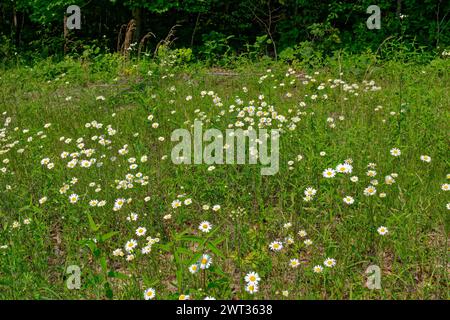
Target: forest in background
[{"x": 217, "y": 31}]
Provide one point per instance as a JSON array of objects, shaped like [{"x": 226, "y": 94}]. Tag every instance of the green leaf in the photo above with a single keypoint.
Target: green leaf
[
  {"x": 214, "y": 231},
  {"x": 215, "y": 250},
  {"x": 191, "y": 238},
  {"x": 179, "y": 275},
  {"x": 177, "y": 257},
  {"x": 108, "y": 235},
  {"x": 92, "y": 224},
  {"x": 150, "y": 283},
  {"x": 195, "y": 258},
  {"x": 165, "y": 247},
  {"x": 91, "y": 245},
  {"x": 217, "y": 241},
  {"x": 108, "y": 290},
  {"x": 103, "y": 264},
  {"x": 118, "y": 275},
  {"x": 183, "y": 250},
  {"x": 178, "y": 236},
  {"x": 217, "y": 270},
  {"x": 96, "y": 252},
  {"x": 24, "y": 208}
]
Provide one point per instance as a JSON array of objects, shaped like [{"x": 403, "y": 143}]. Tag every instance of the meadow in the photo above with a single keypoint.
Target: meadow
[{"x": 87, "y": 180}]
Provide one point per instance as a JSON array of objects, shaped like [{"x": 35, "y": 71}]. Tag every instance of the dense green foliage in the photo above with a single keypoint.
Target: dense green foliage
[{"x": 215, "y": 29}]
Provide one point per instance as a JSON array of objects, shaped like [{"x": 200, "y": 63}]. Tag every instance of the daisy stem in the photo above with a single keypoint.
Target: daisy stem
[{"x": 204, "y": 279}]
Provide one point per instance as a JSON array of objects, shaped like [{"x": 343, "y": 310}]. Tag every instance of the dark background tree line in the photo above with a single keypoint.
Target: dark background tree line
[{"x": 215, "y": 27}]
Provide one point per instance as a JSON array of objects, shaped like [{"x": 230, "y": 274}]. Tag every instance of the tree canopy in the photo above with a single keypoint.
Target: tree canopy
[{"x": 283, "y": 25}]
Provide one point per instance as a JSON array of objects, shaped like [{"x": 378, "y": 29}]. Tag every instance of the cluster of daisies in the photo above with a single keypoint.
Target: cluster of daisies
[
  {"x": 203, "y": 263},
  {"x": 249, "y": 114},
  {"x": 345, "y": 168},
  {"x": 24, "y": 145},
  {"x": 252, "y": 282},
  {"x": 295, "y": 262},
  {"x": 329, "y": 263},
  {"x": 131, "y": 246}
]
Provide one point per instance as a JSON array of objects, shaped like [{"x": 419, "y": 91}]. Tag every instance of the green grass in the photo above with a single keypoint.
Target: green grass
[{"x": 254, "y": 208}]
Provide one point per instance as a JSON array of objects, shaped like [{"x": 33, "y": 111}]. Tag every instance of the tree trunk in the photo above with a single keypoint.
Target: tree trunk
[
  {"x": 195, "y": 29},
  {"x": 17, "y": 26},
  {"x": 399, "y": 7},
  {"x": 138, "y": 18},
  {"x": 66, "y": 34}
]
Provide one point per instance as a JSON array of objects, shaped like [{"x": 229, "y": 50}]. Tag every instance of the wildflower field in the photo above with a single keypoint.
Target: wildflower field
[{"x": 92, "y": 205}]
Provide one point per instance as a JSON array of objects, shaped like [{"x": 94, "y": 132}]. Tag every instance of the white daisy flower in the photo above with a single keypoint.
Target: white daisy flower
[
  {"x": 302, "y": 233},
  {"x": 176, "y": 203},
  {"x": 118, "y": 253},
  {"x": 344, "y": 168},
  {"x": 130, "y": 245},
  {"x": 395, "y": 152},
  {"x": 294, "y": 263},
  {"x": 205, "y": 226},
  {"x": 349, "y": 200},
  {"x": 205, "y": 261},
  {"x": 382, "y": 230},
  {"x": 276, "y": 246},
  {"x": 193, "y": 268},
  {"x": 370, "y": 191},
  {"x": 318, "y": 269},
  {"x": 141, "y": 231},
  {"x": 252, "y": 277},
  {"x": 149, "y": 294},
  {"x": 310, "y": 192},
  {"x": 251, "y": 288},
  {"x": 73, "y": 198},
  {"x": 329, "y": 173},
  {"x": 329, "y": 262}
]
